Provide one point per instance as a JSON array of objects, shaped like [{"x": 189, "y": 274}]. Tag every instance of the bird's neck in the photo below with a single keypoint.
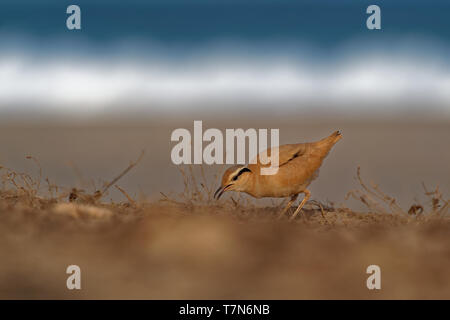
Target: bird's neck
[{"x": 253, "y": 185}]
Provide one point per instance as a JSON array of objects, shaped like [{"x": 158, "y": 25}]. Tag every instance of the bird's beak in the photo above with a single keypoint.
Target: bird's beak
[{"x": 220, "y": 191}]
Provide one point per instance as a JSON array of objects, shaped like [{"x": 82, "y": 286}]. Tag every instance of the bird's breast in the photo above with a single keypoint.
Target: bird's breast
[{"x": 278, "y": 186}]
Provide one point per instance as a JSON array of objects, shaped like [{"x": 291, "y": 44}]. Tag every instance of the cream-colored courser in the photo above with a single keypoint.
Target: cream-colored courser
[{"x": 298, "y": 166}]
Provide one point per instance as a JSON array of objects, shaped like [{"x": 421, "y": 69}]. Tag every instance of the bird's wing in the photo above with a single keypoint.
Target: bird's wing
[{"x": 287, "y": 153}]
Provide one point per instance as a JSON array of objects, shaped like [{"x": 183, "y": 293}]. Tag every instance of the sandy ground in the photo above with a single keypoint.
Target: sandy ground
[{"x": 207, "y": 252}]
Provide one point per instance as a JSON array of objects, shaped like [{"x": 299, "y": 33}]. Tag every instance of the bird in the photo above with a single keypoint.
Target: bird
[{"x": 298, "y": 166}]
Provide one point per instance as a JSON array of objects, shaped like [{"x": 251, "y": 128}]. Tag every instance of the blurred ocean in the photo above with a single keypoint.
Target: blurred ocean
[{"x": 179, "y": 55}]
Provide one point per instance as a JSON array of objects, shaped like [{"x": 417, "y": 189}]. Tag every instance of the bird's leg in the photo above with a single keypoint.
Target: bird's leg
[
  {"x": 300, "y": 206},
  {"x": 293, "y": 198}
]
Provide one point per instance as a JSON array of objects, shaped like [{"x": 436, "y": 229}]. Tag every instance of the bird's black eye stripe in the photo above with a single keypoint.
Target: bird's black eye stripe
[{"x": 241, "y": 172}]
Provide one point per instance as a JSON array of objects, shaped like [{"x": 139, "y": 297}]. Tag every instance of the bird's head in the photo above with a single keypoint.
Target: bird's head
[{"x": 235, "y": 178}]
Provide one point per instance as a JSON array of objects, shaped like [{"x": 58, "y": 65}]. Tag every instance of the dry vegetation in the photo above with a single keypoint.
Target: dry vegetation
[{"x": 189, "y": 246}]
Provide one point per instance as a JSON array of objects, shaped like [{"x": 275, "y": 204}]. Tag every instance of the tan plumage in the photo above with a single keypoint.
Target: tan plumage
[{"x": 298, "y": 166}]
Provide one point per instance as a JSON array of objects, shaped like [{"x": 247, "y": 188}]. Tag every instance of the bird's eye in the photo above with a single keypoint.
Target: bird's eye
[{"x": 235, "y": 178}]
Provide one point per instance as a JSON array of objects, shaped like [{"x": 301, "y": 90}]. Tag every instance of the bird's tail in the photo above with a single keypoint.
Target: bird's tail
[
  {"x": 330, "y": 140},
  {"x": 335, "y": 136}
]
